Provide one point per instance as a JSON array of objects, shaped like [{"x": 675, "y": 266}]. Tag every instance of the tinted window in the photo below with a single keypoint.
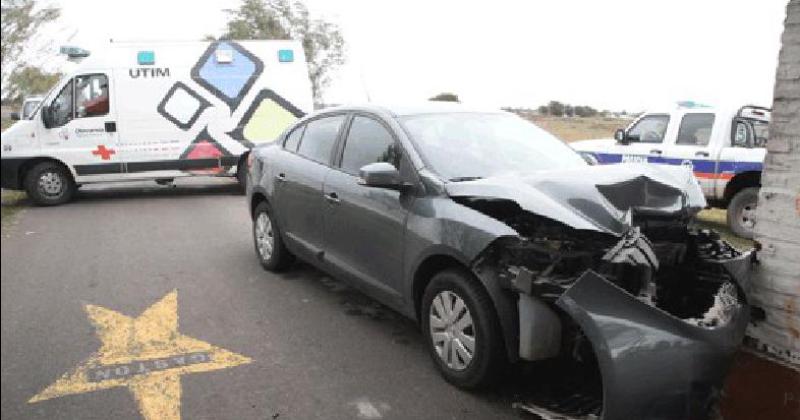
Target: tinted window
[
  {"x": 695, "y": 129},
  {"x": 294, "y": 139},
  {"x": 91, "y": 96},
  {"x": 649, "y": 129},
  {"x": 319, "y": 138},
  {"x": 461, "y": 146},
  {"x": 368, "y": 141}
]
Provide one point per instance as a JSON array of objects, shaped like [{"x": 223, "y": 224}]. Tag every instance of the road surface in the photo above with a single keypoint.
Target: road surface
[{"x": 140, "y": 301}]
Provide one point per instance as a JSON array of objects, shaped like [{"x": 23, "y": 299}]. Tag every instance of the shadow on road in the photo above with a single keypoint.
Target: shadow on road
[
  {"x": 152, "y": 190},
  {"x": 554, "y": 384}
]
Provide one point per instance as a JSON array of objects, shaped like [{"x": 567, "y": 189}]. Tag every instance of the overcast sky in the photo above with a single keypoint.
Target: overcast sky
[{"x": 614, "y": 54}]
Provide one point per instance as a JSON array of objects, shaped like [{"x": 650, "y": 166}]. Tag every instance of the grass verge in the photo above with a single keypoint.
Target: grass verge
[{"x": 12, "y": 203}]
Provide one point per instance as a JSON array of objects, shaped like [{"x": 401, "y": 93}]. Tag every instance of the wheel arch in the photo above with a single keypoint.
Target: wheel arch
[
  {"x": 257, "y": 198},
  {"x": 502, "y": 302},
  {"x": 739, "y": 182},
  {"x": 28, "y": 164}
]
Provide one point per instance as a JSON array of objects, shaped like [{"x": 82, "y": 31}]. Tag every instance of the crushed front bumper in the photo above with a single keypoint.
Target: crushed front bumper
[{"x": 653, "y": 365}]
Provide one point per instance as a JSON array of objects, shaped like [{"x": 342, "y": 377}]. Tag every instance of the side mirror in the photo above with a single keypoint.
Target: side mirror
[
  {"x": 47, "y": 116},
  {"x": 621, "y": 137},
  {"x": 380, "y": 175},
  {"x": 14, "y": 116}
]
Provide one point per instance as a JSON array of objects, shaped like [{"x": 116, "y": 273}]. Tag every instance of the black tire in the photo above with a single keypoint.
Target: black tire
[
  {"x": 489, "y": 355},
  {"x": 49, "y": 184},
  {"x": 741, "y": 212},
  {"x": 279, "y": 258}
]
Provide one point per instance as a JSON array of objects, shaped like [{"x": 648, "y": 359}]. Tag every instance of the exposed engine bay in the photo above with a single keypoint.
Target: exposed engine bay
[{"x": 660, "y": 267}]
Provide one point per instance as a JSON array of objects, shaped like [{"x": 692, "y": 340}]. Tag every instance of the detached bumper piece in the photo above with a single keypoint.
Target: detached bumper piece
[{"x": 653, "y": 364}]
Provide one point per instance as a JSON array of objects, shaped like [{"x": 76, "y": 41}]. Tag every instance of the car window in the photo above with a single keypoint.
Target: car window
[
  {"x": 467, "y": 145},
  {"x": 649, "y": 129},
  {"x": 368, "y": 141},
  {"x": 695, "y": 129},
  {"x": 61, "y": 107},
  {"x": 319, "y": 138},
  {"x": 294, "y": 139},
  {"x": 91, "y": 96}
]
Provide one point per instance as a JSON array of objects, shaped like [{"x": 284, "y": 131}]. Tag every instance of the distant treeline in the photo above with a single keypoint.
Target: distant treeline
[{"x": 559, "y": 109}]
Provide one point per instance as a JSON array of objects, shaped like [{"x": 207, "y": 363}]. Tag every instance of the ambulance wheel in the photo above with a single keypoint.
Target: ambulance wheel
[
  {"x": 49, "y": 184},
  {"x": 742, "y": 212}
]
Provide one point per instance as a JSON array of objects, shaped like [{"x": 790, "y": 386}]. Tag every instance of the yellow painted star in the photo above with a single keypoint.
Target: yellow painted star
[{"x": 146, "y": 354}]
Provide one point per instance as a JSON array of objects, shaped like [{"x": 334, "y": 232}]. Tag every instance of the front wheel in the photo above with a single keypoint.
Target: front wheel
[
  {"x": 462, "y": 329},
  {"x": 49, "y": 184},
  {"x": 742, "y": 212}
]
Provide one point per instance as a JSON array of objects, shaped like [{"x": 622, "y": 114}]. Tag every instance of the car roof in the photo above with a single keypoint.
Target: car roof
[{"x": 420, "y": 108}]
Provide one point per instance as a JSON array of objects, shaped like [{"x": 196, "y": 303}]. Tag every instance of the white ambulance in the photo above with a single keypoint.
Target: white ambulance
[{"x": 156, "y": 111}]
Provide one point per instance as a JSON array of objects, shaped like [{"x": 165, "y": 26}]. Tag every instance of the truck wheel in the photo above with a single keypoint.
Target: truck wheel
[
  {"x": 270, "y": 249},
  {"x": 462, "y": 330},
  {"x": 742, "y": 212},
  {"x": 49, "y": 184}
]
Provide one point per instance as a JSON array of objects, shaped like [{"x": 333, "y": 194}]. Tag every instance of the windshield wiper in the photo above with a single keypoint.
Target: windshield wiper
[{"x": 465, "y": 178}]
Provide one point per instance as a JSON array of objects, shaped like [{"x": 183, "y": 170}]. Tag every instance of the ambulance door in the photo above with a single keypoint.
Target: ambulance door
[{"x": 83, "y": 121}]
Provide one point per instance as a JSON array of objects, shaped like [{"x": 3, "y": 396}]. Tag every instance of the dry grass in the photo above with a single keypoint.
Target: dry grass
[{"x": 571, "y": 129}]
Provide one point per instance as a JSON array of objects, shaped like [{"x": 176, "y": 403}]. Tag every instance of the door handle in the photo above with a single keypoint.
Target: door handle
[
  {"x": 703, "y": 154},
  {"x": 111, "y": 126},
  {"x": 280, "y": 177},
  {"x": 332, "y": 198},
  {"x": 656, "y": 151}
]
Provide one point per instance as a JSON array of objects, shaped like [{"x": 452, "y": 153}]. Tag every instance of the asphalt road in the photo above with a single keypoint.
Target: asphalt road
[{"x": 308, "y": 346}]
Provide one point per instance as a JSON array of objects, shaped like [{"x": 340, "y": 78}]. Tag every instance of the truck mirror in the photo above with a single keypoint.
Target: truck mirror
[
  {"x": 620, "y": 136},
  {"x": 14, "y": 116},
  {"x": 47, "y": 116}
]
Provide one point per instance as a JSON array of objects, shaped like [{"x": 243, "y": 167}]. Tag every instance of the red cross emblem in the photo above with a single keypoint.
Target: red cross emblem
[{"x": 104, "y": 153}]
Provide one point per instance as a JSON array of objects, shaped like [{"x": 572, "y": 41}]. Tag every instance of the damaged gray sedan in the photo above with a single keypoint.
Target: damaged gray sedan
[{"x": 508, "y": 247}]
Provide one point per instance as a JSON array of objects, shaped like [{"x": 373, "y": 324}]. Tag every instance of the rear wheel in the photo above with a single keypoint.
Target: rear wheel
[
  {"x": 270, "y": 249},
  {"x": 49, "y": 184},
  {"x": 742, "y": 212},
  {"x": 462, "y": 329}
]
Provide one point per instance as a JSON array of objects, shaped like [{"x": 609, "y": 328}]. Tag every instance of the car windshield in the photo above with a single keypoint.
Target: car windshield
[{"x": 464, "y": 146}]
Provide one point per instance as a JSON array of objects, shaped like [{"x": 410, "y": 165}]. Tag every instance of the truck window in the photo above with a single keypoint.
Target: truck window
[
  {"x": 62, "y": 106},
  {"x": 649, "y": 129},
  {"x": 695, "y": 129},
  {"x": 91, "y": 95}
]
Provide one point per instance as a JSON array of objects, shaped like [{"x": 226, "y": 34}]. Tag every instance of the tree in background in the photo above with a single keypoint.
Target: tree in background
[
  {"x": 30, "y": 80},
  {"x": 20, "y": 21},
  {"x": 281, "y": 19},
  {"x": 555, "y": 108},
  {"x": 544, "y": 110},
  {"x": 445, "y": 97}
]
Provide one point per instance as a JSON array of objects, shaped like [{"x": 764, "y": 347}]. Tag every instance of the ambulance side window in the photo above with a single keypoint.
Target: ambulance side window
[
  {"x": 91, "y": 96},
  {"x": 61, "y": 108}
]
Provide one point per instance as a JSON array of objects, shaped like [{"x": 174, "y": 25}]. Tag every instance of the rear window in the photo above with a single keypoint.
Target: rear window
[
  {"x": 695, "y": 129},
  {"x": 319, "y": 138},
  {"x": 294, "y": 139}
]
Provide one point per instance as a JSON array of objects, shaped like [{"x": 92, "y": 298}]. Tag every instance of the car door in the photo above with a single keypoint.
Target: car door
[
  {"x": 84, "y": 125},
  {"x": 298, "y": 176},
  {"x": 645, "y": 139},
  {"x": 365, "y": 226},
  {"x": 693, "y": 148}
]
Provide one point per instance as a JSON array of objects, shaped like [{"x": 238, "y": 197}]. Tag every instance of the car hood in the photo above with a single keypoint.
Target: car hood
[
  {"x": 596, "y": 145},
  {"x": 599, "y": 198}
]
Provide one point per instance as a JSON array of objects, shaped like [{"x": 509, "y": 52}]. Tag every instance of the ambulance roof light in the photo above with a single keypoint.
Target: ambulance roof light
[{"x": 74, "y": 53}]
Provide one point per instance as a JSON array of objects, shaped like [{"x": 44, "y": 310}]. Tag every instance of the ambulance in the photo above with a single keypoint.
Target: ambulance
[{"x": 156, "y": 112}]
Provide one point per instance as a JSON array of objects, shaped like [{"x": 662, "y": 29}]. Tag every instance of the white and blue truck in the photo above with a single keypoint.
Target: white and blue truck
[{"x": 724, "y": 147}]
